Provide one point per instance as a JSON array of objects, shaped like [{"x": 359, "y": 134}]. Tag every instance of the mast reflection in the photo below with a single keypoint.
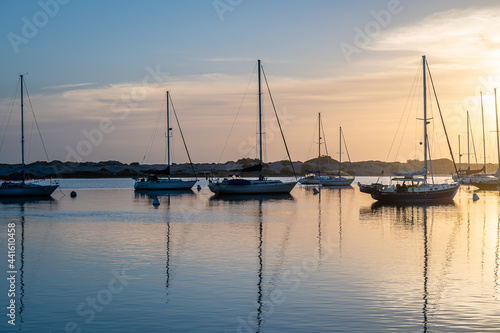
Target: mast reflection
[{"x": 260, "y": 270}]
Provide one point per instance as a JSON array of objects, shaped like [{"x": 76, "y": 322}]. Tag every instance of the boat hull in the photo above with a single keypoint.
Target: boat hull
[
  {"x": 165, "y": 184},
  {"x": 327, "y": 181},
  {"x": 338, "y": 182},
  {"x": 485, "y": 186},
  {"x": 305, "y": 181},
  {"x": 254, "y": 187},
  {"x": 27, "y": 190},
  {"x": 481, "y": 181},
  {"x": 438, "y": 195}
]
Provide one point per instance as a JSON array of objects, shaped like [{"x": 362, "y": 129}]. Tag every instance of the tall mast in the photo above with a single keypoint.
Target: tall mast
[
  {"x": 260, "y": 123},
  {"x": 459, "y": 154},
  {"x": 22, "y": 129},
  {"x": 484, "y": 138},
  {"x": 425, "y": 119},
  {"x": 498, "y": 139},
  {"x": 340, "y": 150},
  {"x": 319, "y": 143},
  {"x": 468, "y": 148},
  {"x": 168, "y": 133}
]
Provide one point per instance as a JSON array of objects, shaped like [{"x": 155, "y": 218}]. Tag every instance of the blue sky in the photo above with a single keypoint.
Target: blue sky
[{"x": 87, "y": 56}]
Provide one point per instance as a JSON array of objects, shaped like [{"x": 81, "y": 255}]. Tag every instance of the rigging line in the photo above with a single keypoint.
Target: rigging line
[
  {"x": 473, "y": 143},
  {"x": 346, "y": 150},
  {"x": 279, "y": 124},
  {"x": 237, "y": 113},
  {"x": 13, "y": 99},
  {"x": 442, "y": 120},
  {"x": 402, "y": 116},
  {"x": 433, "y": 128},
  {"x": 430, "y": 159},
  {"x": 153, "y": 134},
  {"x": 312, "y": 140},
  {"x": 324, "y": 140},
  {"x": 182, "y": 136},
  {"x": 30, "y": 141},
  {"x": 36, "y": 122},
  {"x": 414, "y": 87}
]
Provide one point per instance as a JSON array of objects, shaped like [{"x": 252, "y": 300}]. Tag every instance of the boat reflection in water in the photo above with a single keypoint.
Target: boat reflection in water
[
  {"x": 436, "y": 257},
  {"x": 267, "y": 283},
  {"x": 20, "y": 231}
]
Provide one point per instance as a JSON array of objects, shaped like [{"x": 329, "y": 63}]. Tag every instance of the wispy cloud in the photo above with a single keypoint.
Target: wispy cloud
[
  {"x": 69, "y": 86},
  {"x": 463, "y": 36}
]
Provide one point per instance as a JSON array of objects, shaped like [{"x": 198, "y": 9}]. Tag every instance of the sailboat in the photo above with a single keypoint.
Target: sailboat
[
  {"x": 24, "y": 187},
  {"x": 333, "y": 179},
  {"x": 153, "y": 182},
  {"x": 339, "y": 178},
  {"x": 479, "y": 178},
  {"x": 413, "y": 186},
  {"x": 315, "y": 177},
  {"x": 237, "y": 185}
]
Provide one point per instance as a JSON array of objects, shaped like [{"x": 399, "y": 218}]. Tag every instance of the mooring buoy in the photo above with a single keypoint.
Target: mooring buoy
[
  {"x": 72, "y": 194},
  {"x": 156, "y": 202}
]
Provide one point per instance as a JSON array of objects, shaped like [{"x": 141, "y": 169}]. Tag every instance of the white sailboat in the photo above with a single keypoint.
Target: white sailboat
[
  {"x": 153, "y": 182},
  {"x": 314, "y": 177},
  {"x": 25, "y": 187},
  {"x": 479, "y": 178},
  {"x": 339, "y": 178},
  {"x": 237, "y": 185},
  {"x": 413, "y": 186}
]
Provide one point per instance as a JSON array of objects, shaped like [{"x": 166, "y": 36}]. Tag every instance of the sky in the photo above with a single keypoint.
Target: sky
[{"x": 97, "y": 72}]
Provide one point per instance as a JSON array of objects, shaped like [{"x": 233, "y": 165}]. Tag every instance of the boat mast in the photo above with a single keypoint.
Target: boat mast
[
  {"x": 468, "y": 148},
  {"x": 319, "y": 143},
  {"x": 425, "y": 119},
  {"x": 498, "y": 139},
  {"x": 459, "y": 154},
  {"x": 261, "y": 176},
  {"x": 22, "y": 130},
  {"x": 340, "y": 150},
  {"x": 484, "y": 138},
  {"x": 168, "y": 133}
]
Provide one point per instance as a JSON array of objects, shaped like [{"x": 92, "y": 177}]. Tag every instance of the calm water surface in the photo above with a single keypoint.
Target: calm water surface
[{"x": 108, "y": 261}]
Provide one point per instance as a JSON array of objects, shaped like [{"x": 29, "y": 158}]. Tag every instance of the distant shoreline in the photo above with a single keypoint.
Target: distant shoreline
[{"x": 115, "y": 169}]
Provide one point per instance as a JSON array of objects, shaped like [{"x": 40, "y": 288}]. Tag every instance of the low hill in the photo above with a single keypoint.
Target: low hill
[{"x": 109, "y": 169}]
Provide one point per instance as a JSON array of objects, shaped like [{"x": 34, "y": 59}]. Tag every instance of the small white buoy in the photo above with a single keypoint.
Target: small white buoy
[
  {"x": 156, "y": 202},
  {"x": 198, "y": 187},
  {"x": 72, "y": 194},
  {"x": 316, "y": 191},
  {"x": 475, "y": 197}
]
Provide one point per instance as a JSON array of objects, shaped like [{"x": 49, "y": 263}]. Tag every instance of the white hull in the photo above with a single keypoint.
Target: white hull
[
  {"x": 482, "y": 181},
  {"x": 26, "y": 190},
  {"x": 326, "y": 181},
  {"x": 310, "y": 181},
  {"x": 254, "y": 187},
  {"x": 338, "y": 182},
  {"x": 164, "y": 184}
]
